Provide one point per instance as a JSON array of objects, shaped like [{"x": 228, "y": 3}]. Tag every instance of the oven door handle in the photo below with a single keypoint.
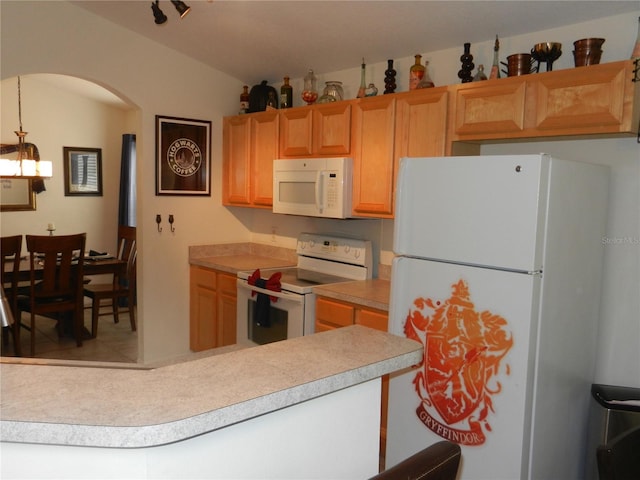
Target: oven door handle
[{"x": 292, "y": 297}]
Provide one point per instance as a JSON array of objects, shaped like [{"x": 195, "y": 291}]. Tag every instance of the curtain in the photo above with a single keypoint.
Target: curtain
[
  {"x": 127, "y": 205},
  {"x": 127, "y": 200}
]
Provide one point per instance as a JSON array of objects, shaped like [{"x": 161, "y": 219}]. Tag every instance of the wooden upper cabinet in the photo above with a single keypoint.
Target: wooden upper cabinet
[
  {"x": 586, "y": 100},
  {"x": 373, "y": 127},
  {"x": 296, "y": 132},
  {"x": 593, "y": 100},
  {"x": 264, "y": 150},
  {"x": 332, "y": 128},
  {"x": 491, "y": 109},
  {"x": 250, "y": 144},
  {"x": 236, "y": 139},
  {"x": 421, "y": 123},
  {"x": 316, "y": 131}
]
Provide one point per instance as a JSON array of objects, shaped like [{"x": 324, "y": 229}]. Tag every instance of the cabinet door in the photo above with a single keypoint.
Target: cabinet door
[
  {"x": 492, "y": 109},
  {"x": 332, "y": 129},
  {"x": 421, "y": 123},
  {"x": 373, "y": 127},
  {"x": 203, "y": 309},
  {"x": 372, "y": 318},
  {"x": 584, "y": 100},
  {"x": 330, "y": 315},
  {"x": 226, "y": 309},
  {"x": 296, "y": 132},
  {"x": 264, "y": 149},
  {"x": 236, "y": 167}
]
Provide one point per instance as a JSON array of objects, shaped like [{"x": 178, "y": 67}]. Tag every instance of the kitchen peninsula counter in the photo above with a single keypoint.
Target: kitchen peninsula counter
[{"x": 116, "y": 407}]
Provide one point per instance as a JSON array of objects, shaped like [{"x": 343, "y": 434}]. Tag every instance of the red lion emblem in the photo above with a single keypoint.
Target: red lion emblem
[{"x": 463, "y": 350}]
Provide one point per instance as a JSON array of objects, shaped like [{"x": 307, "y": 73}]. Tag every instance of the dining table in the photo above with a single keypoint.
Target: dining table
[{"x": 92, "y": 265}]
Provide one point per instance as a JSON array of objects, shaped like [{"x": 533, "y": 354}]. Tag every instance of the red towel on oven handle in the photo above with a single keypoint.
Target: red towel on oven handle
[{"x": 273, "y": 283}]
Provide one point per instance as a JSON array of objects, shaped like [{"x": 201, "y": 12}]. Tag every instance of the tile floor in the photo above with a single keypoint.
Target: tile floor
[{"x": 115, "y": 341}]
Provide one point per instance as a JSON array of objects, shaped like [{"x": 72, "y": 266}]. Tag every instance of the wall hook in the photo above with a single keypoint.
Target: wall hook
[
  {"x": 171, "y": 223},
  {"x": 159, "y": 221}
]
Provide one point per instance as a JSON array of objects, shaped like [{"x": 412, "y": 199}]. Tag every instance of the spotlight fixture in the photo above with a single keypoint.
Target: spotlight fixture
[
  {"x": 181, "y": 7},
  {"x": 159, "y": 15}
]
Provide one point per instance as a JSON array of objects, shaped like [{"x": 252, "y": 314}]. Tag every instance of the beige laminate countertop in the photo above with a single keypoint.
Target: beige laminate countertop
[
  {"x": 236, "y": 263},
  {"x": 368, "y": 293},
  {"x": 128, "y": 408}
]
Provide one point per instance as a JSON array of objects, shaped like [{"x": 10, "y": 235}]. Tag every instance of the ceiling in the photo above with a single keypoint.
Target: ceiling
[{"x": 264, "y": 40}]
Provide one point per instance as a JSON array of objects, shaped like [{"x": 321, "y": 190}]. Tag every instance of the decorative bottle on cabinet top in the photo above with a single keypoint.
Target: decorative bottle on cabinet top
[
  {"x": 416, "y": 72},
  {"x": 286, "y": 94},
  {"x": 426, "y": 81},
  {"x": 389, "y": 78},
  {"x": 363, "y": 84},
  {"x": 272, "y": 101},
  {"x": 466, "y": 58},
  {"x": 310, "y": 91},
  {"x": 244, "y": 99},
  {"x": 495, "y": 67},
  {"x": 480, "y": 75}
]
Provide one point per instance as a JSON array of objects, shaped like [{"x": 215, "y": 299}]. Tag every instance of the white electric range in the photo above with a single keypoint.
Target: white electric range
[{"x": 266, "y": 314}]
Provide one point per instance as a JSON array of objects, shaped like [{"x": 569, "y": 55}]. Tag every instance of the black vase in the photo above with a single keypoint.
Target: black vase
[
  {"x": 389, "y": 78},
  {"x": 467, "y": 64}
]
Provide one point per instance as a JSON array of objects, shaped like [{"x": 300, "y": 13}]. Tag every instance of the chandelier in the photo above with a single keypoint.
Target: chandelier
[{"x": 28, "y": 163}]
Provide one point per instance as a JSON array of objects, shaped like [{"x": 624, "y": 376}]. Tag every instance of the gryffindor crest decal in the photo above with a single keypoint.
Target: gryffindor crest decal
[{"x": 462, "y": 365}]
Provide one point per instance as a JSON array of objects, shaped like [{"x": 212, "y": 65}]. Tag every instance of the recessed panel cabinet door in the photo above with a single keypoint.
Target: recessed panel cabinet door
[
  {"x": 203, "y": 332},
  {"x": 421, "y": 123},
  {"x": 332, "y": 129},
  {"x": 264, "y": 150},
  {"x": 373, "y": 164},
  {"x": 236, "y": 160},
  {"x": 493, "y": 109},
  {"x": 585, "y": 100},
  {"x": 296, "y": 132}
]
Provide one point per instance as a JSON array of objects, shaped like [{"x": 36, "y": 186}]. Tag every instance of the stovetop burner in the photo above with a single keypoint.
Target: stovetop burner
[{"x": 298, "y": 278}]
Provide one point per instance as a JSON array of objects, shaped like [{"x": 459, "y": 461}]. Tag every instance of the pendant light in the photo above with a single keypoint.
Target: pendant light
[{"x": 28, "y": 163}]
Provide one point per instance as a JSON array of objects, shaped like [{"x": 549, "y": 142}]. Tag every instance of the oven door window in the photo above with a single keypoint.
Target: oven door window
[
  {"x": 285, "y": 315},
  {"x": 277, "y": 325}
]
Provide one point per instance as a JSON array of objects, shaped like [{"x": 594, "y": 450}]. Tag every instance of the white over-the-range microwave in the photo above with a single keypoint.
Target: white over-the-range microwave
[{"x": 315, "y": 187}]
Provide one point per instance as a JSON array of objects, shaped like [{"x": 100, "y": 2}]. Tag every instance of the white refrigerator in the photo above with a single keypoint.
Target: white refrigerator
[{"x": 497, "y": 273}]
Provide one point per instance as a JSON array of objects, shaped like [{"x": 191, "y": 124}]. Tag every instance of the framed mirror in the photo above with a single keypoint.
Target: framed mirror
[
  {"x": 82, "y": 171},
  {"x": 16, "y": 194}
]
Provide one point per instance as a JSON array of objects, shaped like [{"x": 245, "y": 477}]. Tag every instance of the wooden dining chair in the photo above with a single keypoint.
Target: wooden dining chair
[
  {"x": 10, "y": 248},
  {"x": 56, "y": 276},
  {"x": 122, "y": 286}
]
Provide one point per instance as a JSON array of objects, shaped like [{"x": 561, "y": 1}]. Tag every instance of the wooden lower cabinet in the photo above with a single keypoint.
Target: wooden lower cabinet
[
  {"x": 332, "y": 314},
  {"x": 212, "y": 309}
]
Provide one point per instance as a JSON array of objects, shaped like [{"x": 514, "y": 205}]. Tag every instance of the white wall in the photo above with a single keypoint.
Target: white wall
[
  {"x": 138, "y": 70},
  {"x": 39, "y": 39}
]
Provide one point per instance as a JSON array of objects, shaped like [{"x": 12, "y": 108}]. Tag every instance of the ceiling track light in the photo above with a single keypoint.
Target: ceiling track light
[
  {"x": 181, "y": 7},
  {"x": 159, "y": 15}
]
